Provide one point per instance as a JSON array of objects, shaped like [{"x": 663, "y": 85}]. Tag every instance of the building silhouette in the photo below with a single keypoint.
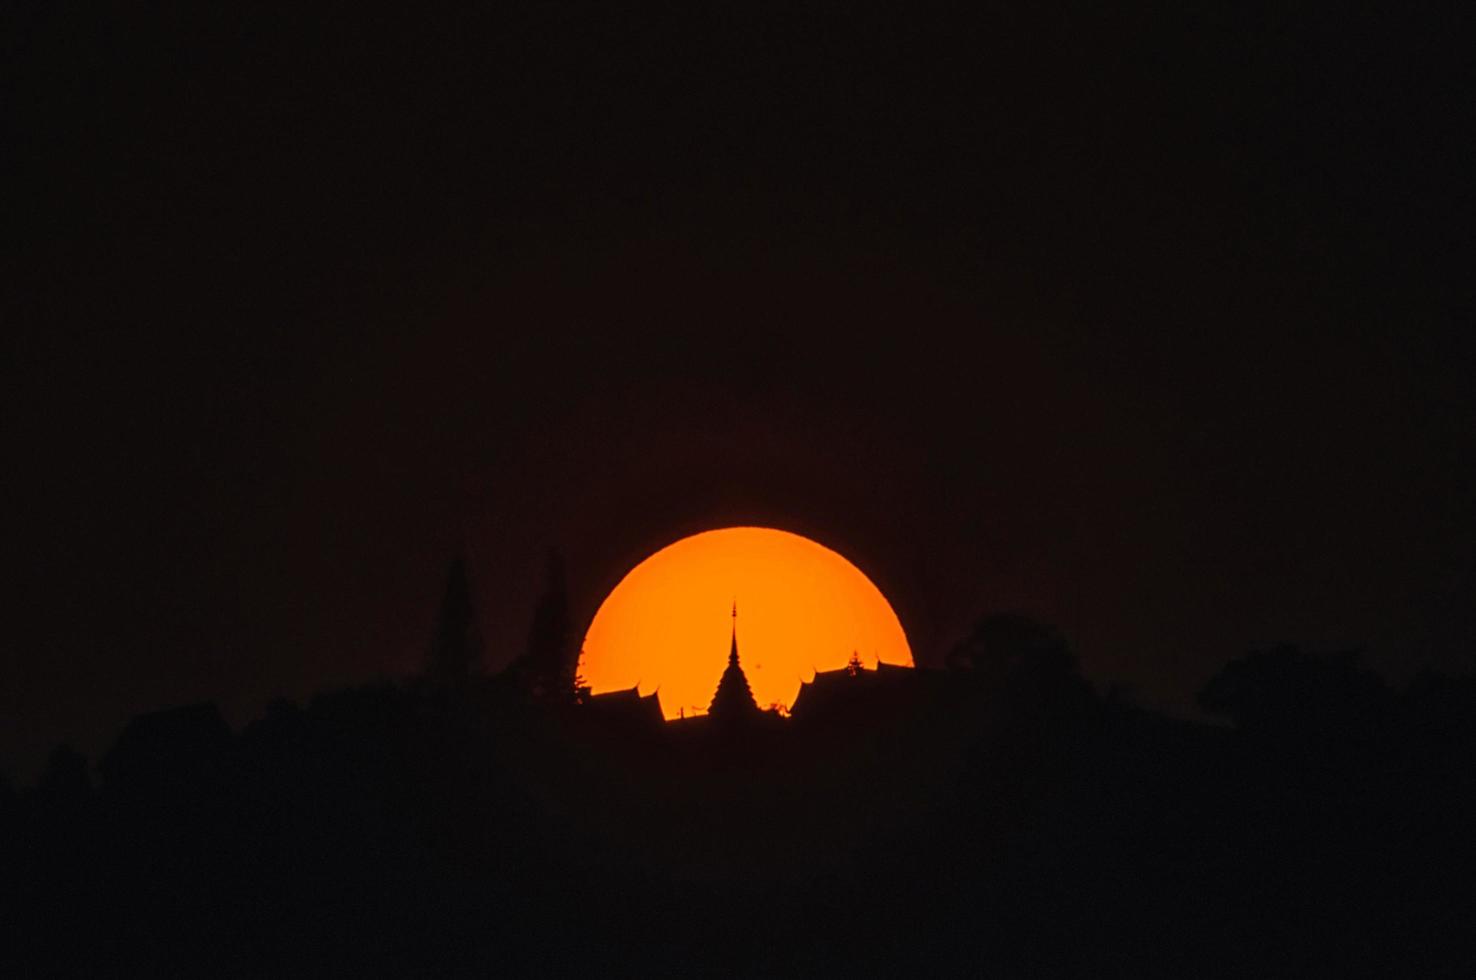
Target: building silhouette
[
  {"x": 733, "y": 699},
  {"x": 628, "y": 708},
  {"x": 852, "y": 693}
]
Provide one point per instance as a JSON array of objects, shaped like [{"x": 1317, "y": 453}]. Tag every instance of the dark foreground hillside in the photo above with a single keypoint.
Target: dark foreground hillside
[{"x": 974, "y": 825}]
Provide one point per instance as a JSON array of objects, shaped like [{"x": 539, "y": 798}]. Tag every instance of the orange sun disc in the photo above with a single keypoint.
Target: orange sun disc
[{"x": 800, "y": 608}]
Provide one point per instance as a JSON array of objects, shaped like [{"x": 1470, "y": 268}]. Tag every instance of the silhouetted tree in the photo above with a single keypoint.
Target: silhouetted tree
[
  {"x": 1444, "y": 704},
  {"x": 66, "y": 780},
  {"x": 9, "y": 814},
  {"x": 161, "y": 751},
  {"x": 1022, "y": 661},
  {"x": 581, "y": 685},
  {"x": 457, "y": 649},
  {"x": 548, "y": 668},
  {"x": 1285, "y": 688}
]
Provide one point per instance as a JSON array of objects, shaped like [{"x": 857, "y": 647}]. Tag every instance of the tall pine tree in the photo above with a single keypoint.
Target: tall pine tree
[
  {"x": 547, "y": 669},
  {"x": 457, "y": 649}
]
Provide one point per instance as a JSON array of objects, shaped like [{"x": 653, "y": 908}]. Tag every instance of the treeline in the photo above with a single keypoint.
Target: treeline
[{"x": 998, "y": 815}]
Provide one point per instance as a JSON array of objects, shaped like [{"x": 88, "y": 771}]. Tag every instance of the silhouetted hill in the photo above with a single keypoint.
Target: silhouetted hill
[{"x": 421, "y": 829}]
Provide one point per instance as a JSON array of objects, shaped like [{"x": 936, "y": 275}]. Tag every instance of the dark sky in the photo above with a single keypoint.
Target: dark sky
[{"x": 1147, "y": 321}]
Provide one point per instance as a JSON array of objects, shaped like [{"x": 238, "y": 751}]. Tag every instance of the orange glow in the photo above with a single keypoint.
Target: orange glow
[{"x": 801, "y": 608}]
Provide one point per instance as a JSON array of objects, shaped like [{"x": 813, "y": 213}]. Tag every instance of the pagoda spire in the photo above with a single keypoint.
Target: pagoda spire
[
  {"x": 733, "y": 646},
  {"x": 733, "y": 697}
]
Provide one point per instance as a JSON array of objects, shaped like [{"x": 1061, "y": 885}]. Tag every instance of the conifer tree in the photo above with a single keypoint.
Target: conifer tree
[
  {"x": 548, "y": 668},
  {"x": 457, "y": 649}
]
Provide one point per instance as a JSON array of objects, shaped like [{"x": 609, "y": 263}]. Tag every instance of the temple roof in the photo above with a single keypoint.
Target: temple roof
[
  {"x": 858, "y": 688},
  {"x": 628, "y": 705}
]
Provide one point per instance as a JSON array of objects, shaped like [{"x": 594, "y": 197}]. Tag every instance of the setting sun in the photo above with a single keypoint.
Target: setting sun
[{"x": 800, "y": 608}]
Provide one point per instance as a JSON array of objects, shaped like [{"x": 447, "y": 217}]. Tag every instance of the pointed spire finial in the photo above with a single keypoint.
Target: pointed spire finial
[{"x": 733, "y": 647}]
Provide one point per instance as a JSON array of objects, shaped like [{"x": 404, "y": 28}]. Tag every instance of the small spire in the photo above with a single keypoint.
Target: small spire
[{"x": 733, "y": 647}]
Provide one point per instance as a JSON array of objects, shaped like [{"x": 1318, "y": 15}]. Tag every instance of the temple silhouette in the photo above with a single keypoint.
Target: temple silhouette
[
  {"x": 853, "y": 691},
  {"x": 831, "y": 696},
  {"x": 733, "y": 699},
  {"x": 732, "y": 703}
]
